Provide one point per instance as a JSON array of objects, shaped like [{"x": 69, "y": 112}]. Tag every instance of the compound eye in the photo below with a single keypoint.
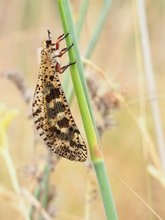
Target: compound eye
[{"x": 48, "y": 42}]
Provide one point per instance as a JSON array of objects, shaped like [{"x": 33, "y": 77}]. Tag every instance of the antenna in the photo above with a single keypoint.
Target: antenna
[{"x": 49, "y": 34}]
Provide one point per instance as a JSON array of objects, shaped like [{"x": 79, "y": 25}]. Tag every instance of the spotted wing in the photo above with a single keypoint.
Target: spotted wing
[{"x": 53, "y": 118}]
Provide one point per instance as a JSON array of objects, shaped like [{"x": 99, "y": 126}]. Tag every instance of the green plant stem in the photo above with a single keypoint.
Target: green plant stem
[
  {"x": 94, "y": 39},
  {"x": 101, "y": 173},
  {"x": 82, "y": 15},
  {"x": 36, "y": 195},
  {"x": 45, "y": 185},
  {"x": 98, "y": 28},
  {"x": 69, "y": 89},
  {"x": 86, "y": 111},
  {"x": 79, "y": 26},
  {"x": 76, "y": 71}
]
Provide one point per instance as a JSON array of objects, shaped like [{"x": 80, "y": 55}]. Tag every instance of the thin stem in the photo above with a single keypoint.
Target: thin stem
[
  {"x": 36, "y": 195},
  {"x": 150, "y": 80},
  {"x": 86, "y": 110},
  {"x": 14, "y": 180},
  {"x": 79, "y": 26},
  {"x": 105, "y": 189},
  {"x": 11, "y": 170},
  {"x": 45, "y": 185},
  {"x": 141, "y": 84},
  {"x": 70, "y": 90},
  {"x": 98, "y": 28},
  {"x": 42, "y": 185},
  {"x": 94, "y": 39},
  {"x": 82, "y": 15},
  {"x": 76, "y": 71}
]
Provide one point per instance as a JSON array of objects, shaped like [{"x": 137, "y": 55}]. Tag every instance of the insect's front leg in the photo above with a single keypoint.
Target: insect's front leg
[{"x": 59, "y": 39}]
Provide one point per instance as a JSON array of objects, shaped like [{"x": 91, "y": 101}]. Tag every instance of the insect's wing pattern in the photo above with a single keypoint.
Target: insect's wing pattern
[{"x": 52, "y": 115}]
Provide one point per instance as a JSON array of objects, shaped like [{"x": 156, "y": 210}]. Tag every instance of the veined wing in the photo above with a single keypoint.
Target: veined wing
[{"x": 52, "y": 115}]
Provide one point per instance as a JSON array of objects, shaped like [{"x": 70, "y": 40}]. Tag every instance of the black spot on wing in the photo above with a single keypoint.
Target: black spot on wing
[
  {"x": 53, "y": 112},
  {"x": 72, "y": 143},
  {"x": 54, "y": 93},
  {"x": 38, "y": 111},
  {"x": 63, "y": 123},
  {"x": 59, "y": 106},
  {"x": 51, "y": 77},
  {"x": 58, "y": 134}
]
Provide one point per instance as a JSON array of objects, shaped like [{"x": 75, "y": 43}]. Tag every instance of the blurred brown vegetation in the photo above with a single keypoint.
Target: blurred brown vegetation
[{"x": 23, "y": 27}]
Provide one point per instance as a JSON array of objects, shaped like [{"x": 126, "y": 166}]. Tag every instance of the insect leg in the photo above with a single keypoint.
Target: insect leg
[
  {"x": 64, "y": 50},
  {"x": 59, "y": 39},
  {"x": 60, "y": 69}
]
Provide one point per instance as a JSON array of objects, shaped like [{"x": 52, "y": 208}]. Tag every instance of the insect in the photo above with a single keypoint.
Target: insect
[{"x": 50, "y": 109}]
